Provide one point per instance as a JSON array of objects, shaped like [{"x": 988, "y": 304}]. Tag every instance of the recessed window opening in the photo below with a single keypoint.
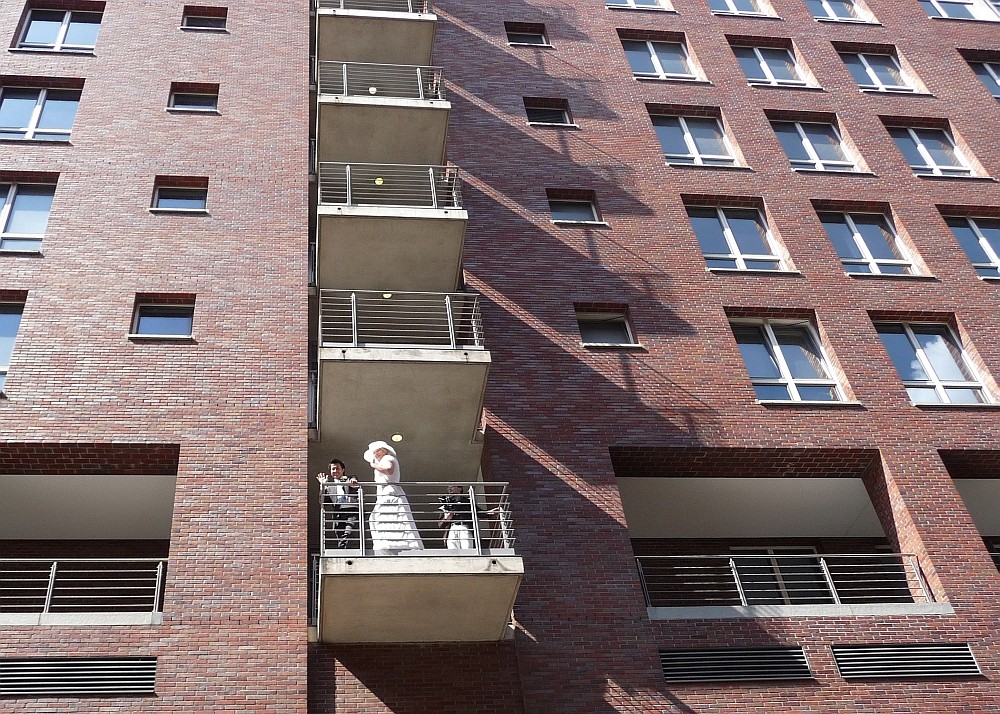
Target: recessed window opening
[
  {"x": 548, "y": 112},
  {"x": 867, "y": 243},
  {"x": 786, "y": 362},
  {"x": 734, "y": 238},
  {"x": 10, "y": 321},
  {"x": 989, "y": 75},
  {"x": 526, "y": 33},
  {"x": 980, "y": 239},
  {"x": 814, "y": 146},
  {"x": 659, "y": 60},
  {"x": 986, "y": 10},
  {"x": 930, "y": 152},
  {"x": 24, "y": 215},
  {"x": 197, "y": 17},
  {"x": 738, "y": 7},
  {"x": 60, "y": 30},
  {"x": 191, "y": 97},
  {"x": 877, "y": 72},
  {"x": 566, "y": 210},
  {"x": 152, "y": 320},
  {"x": 38, "y": 114},
  {"x": 180, "y": 194},
  {"x": 839, "y": 11},
  {"x": 605, "y": 328},
  {"x": 774, "y": 66},
  {"x": 700, "y": 141}
]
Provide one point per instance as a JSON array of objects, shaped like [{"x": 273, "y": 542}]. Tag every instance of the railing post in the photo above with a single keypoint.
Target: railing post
[
  {"x": 322, "y": 519},
  {"x": 159, "y": 584},
  {"x": 409, "y": 5},
  {"x": 451, "y": 320},
  {"x": 829, "y": 581},
  {"x": 505, "y": 528},
  {"x": 420, "y": 83},
  {"x": 642, "y": 581},
  {"x": 344, "y": 68},
  {"x": 354, "y": 319},
  {"x": 347, "y": 183},
  {"x": 361, "y": 519},
  {"x": 475, "y": 520},
  {"x": 434, "y": 194},
  {"x": 739, "y": 585},
  {"x": 52, "y": 584},
  {"x": 918, "y": 574}
]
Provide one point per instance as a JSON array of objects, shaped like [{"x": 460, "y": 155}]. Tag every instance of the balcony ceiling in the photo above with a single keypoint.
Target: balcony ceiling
[
  {"x": 348, "y": 35},
  {"x": 382, "y": 130},
  {"x": 982, "y": 499},
  {"x": 432, "y": 397}
]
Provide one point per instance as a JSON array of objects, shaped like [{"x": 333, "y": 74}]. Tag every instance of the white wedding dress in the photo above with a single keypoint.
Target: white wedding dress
[{"x": 391, "y": 520}]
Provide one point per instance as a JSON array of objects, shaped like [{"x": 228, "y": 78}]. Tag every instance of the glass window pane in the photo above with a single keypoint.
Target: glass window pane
[
  {"x": 572, "y": 211},
  {"x": 886, "y": 70},
  {"x": 44, "y": 27},
  {"x": 10, "y": 320},
  {"x": 749, "y": 63},
  {"x": 790, "y": 140},
  {"x": 943, "y": 354},
  {"x": 817, "y": 393},
  {"x": 844, "y": 9},
  {"x": 771, "y": 391},
  {"x": 990, "y": 228},
  {"x": 59, "y": 110},
  {"x": 721, "y": 263},
  {"x": 718, "y": 5},
  {"x": 825, "y": 142},
  {"x": 211, "y": 101},
  {"x": 762, "y": 264},
  {"x": 756, "y": 352},
  {"x": 707, "y": 227},
  {"x": 923, "y": 395},
  {"x": 857, "y": 69},
  {"x": 83, "y": 29},
  {"x": 670, "y": 134},
  {"x": 30, "y": 212},
  {"x": 780, "y": 63},
  {"x": 877, "y": 236},
  {"x": 816, "y": 8},
  {"x": 969, "y": 241},
  {"x": 638, "y": 57},
  {"x": 609, "y": 329},
  {"x": 988, "y": 78},
  {"x": 748, "y": 230},
  {"x": 902, "y": 353},
  {"x": 938, "y": 146},
  {"x": 800, "y": 352},
  {"x": 181, "y": 198},
  {"x": 957, "y": 10},
  {"x": 671, "y": 57},
  {"x": 17, "y": 107},
  {"x": 841, "y": 235},
  {"x": 746, "y": 6},
  {"x": 707, "y": 135},
  {"x": 166, "y": 320},
  {"x": 907, "y": 146},
  {"x": 957, "y": 395}
]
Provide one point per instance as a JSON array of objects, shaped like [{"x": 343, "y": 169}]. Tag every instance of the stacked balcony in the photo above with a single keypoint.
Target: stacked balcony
[{"x": 401, "y": 353}]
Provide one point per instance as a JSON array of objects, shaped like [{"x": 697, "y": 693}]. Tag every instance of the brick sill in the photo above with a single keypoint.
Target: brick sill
[
  {"x": 553, "y": 124},
  {"x": 730, "y": 271},
  {"x": 869, "y": 174},
  {"x": 752, "y": 15},
  {"x": 181, "y": 211},
  {"x": 937, "y": 406},
  {"x": 710, "y": 166},
  {"x": 216, "y": 30},
  {"x": 161, "y": 338},
  {"x": 571, "y": 224},
  {"x": 682, "y": 80},
  {"x": 847, "y": 21},
  {"x": 768, "y": 85},
  {"x": 892, "y": 276},
  {"x": 953, "y": 177},
  {"x": 185, "y": 110},
  {"x": 903, "y": 92}
]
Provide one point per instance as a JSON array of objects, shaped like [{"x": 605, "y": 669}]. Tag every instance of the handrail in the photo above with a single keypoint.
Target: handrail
[
  {"x": 407, "y": 6},
  {"x": 45, "y": 585},
  {"x": 479, "y": 523},
  {"x": 366, "y": 79},
  {"x": 737, "y": 579},
  {"x": 367, "y": 318},
  {"x": 416, "y": 186}
]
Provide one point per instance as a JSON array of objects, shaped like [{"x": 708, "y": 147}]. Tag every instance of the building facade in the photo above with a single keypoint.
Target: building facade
[{"x": 679, "y": 319}]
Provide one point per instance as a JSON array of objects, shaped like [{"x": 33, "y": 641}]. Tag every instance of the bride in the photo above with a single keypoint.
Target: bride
[{"x": 391, "y": 520}]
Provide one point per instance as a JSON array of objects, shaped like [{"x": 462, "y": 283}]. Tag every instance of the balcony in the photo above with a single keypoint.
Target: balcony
[
  {"x": 773, "y": 584},
  {"x": 390, "y": 224},
  {"x": 81, "y": 591},
  {"x": 404, "y": 363},
  {"x": 381, "y": 113},
  {"x": 397, "y": 31},
  {"x": 457, "y": 583}
]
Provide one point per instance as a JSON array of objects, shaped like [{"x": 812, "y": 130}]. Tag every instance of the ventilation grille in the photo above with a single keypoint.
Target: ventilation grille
[
  {"x": 74, "y": 677},
  {"x": 949, "y": 660},
  {"x": 733, "y": 665}
]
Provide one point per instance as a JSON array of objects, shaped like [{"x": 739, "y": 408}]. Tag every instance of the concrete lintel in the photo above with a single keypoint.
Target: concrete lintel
[
  {"x": 716, "y": 612},
  {"x": 404, "y": 354},
  {"x": 448, "y": 214},
  {"x": 81, "y": 619},
  {"x": 423, "y": 565}
]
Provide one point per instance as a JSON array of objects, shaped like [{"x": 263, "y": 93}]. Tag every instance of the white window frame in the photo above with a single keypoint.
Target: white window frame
[
  {"x": 874, "y": 264},
  {"x": 36, "y": 114},
  {"x": 59, "y": 45},
  {"x": 771, "y": 80},
  {"x": 692, "y": 74},
  {"x": 761, "y": 11},
  {"x": 594, "y": 315},
  {"x": 735, "y": 254},
  {"x": 786, "y": 379},
  {"x": 987, "y": 247},
  {"x": 876, "y": 84},
  {"x": 698, "y": 157},
  {"x": 864, "y": 15},
  {"x": 140, "y": 306},
  {"x": 818, "y": 164},
  {"x": 933, "y": 380},
  {"x": 5, "y": 368},
  {"x": 930, "y": 168},
  {"x": 992, "y": 69},
  {"x": 5, "y": 218},
  {"x": 631, "y": 5},
  {"x": 980, "y": 10}
]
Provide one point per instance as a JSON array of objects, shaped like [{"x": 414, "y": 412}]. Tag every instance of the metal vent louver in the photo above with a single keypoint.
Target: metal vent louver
[
  {"x": 734, "y": 664},
  {"x": 878, "y": 661},
  {"x": 52, "y": 677}
]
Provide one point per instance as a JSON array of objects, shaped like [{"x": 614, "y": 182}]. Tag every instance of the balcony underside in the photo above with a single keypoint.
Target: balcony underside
[
  {"x": 417, "y": 598},
  {"x": 374, "y": 248},
  {"x": 382, "y": 129},
  {"x": 433, "y": 398},
  {"x": 365, "y": 36}
]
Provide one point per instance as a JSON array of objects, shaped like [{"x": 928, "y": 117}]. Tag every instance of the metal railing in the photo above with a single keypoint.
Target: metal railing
[
  {"x": 414, "y": 6},
  {"x": 736, "y": 579},
  {"x": 363, "y": 318},
  {"x": 81, "y": 585},
  {"x": 433, "y": 518},
  {"x": 389, "y": 185},
  {"x": 400, "y": 81}
]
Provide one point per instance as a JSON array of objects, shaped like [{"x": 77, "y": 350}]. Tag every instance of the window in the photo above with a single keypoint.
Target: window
[
  {"x": 931, "y": 363},
  {"x": 180, "y": 193},
  {"x": 10, "y": 320},
  {"x": 693, "y": 140},
  {"x": 605, "y": 328},
  {"x": 638, "y": 4},
  {"x": 980, "y": 239},
  {"x": 564, "y": 211},
  {"x": 785, "y": 362},
  {"x": 774, "y": 66},
  {"x": 60, "y": 31},
  {"x": 40, "y": 114},
  {"x": 877, "y": 72},
  {"x": 962, "y": 9},
  {"x": 930, "y": 152},
  {"x": 549, "y": 112},
  {"x": 163, "y": 320},
  {"x": 190, "y": 97},
  {"x": 24, "y": 213},
  {"x": 813, "y": 146},
  {"x": 866, "y": 243},
  {"x": 734, "y": 238},
  {"x": 196, "y": 17},
  {"x": 839, "y": 11},
  {"x": 989, "y": 74},
  {"x": 526, "y": 33},
  {"x": 738, "y": 7},
  {"x": 658, "y": 60}
]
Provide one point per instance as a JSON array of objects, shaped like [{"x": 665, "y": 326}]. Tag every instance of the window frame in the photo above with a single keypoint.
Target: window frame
[
  {"x": 698, "y": 158},
  {"x": 939, "y": 385},
  {"x": 172, "y": 103},
  {"x": 762, "y": 9},
  {"x": 993, "y": 70},
  {"x": 571, "y": 221},
  {"x": 770, "y": 79},
  {"x": 874, "y": 264},
  {"x": 876, "y": 84},
  {"x": 660, "y": 74},
  {"x": 661, "y": 5},
  {"x": 785, "y": 378},
  {"x": 978, "y": 10},
  {"x": 864, "y": 15},
  {"x": 606, "y": 315},
  {"x": 563, "y": 109},
  {"x": 189, "y": 13},
  {"x": 735, "y": 254},
  {"x": 931, "y": 168},
  {"x": 10, "y": 307},
  {"x": 142, "y": 305},
  {"x": 5, "y": 214},
  {"x": 155, "y": 208},
  {"x": 988, "y": 248},
  {"x": 60, "y": 44},
  {"x": 541, "y": 33},
  {"x": 818, "y": 164},
  {"x": 32, "y": 129}
]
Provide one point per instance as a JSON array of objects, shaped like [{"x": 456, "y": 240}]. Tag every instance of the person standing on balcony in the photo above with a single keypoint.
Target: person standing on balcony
[
  {"x": 340, "y": 502},
  {"x": 391, "y": 521},
  {"x": 457, "y": 519}
]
